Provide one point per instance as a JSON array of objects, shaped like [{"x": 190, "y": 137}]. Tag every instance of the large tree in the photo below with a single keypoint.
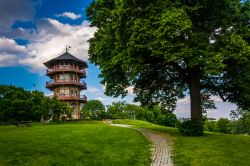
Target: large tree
[{"x": 165, "y": 48}]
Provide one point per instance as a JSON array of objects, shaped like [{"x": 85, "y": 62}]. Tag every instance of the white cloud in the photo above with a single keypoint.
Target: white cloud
[
  {"x": 103, "y": 87},
  {"x": 130, "y": 90},
  {"x": 70, "y": 15},
  {"x": 10, "y": 52},
  {"x": 46, "y": 43},
  {"x": 185, "y": 100},
  {"x": 50, "y": 41},
  {"x": 7, "y": 60},
  {"x": 9, "y": 45},
  {"x": 94, "y": 90},
  {"x": 216, "y": 99},
  {"x": 223, "y": 108},
  {"x": 49, "y": 94},
  {"x": 13, "y": 10},
  {"x": 97, "y": 93},
  {"x": 102, "y": 99}
]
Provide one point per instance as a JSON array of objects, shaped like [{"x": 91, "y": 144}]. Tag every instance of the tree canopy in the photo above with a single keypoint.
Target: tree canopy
[
  {"x": 164, "y": 48},
  {"x": 17, "y": 104},
  {"x": 93, "y": 109}
]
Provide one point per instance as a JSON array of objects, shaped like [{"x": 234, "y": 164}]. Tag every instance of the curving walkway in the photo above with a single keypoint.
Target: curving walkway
[{"x": 161, "y": 147}]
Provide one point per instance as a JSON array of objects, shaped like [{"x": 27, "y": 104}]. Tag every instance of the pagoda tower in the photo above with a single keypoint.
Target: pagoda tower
[{"x": 66, "y": 73}]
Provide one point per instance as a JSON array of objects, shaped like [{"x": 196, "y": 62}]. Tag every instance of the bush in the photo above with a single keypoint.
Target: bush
[
  {"x": 224, "y": 126},
  {"x": 191, "y": 128},
  {"x": 210, "y": 126},
  {"x": 167, "y": 120},
  {"x": 241, "y": 121}
]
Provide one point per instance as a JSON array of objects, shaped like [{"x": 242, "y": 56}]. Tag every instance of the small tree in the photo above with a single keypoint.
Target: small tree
[
  {"x": 224, "y": 126},
  {"x": 241, "y": 120},
  {"x": 46, "y": 108},
  {"x": 93, "y": 109},
  {"x": 117, "y": 110},
  {"x": 17, "y": 104}
]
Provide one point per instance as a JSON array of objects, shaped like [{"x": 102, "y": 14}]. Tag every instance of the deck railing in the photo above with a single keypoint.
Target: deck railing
[
  {"x": 65, "y": 82},
  {"x": 72, "y": 97},
  {"x": 51, "y": 71}
]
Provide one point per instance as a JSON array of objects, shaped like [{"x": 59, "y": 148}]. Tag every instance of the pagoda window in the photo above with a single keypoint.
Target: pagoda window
[
  {"x": 66, "y": 66},
  {"x": 61, "y": 66},
  {"x": 66, "y": 92},
  {"x": 61, "y": 77},
  {"x": 64, "y": 77},
  {"x": 62, "y": 92},
  {"x": 74, "y": 78},
  {"x": 73, "y": 93}
]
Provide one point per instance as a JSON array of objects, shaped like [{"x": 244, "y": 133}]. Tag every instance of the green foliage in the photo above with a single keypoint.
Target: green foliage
[
  {"x": 224, "y": 126},
  {"x": 167, "y": 120},
  {"x": 210, "y": 126},
  {"x": 154, "y": 114},
  {"x": 117, "y": 110},
  {"x": 190, "y": 128},
  {"x": 241, "y": 121},
  {"x": 160, "y": 116},
  {"x": 94, "y": 109},
  {"x": 164, "y": 48},
  {"x": 17, "y": 104}
]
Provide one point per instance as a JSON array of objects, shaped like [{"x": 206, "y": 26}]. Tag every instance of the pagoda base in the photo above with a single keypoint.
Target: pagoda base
[{"x": 76, "y": 107}]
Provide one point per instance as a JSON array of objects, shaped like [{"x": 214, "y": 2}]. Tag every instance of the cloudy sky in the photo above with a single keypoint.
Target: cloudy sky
[{"x": 35, "y": 31}]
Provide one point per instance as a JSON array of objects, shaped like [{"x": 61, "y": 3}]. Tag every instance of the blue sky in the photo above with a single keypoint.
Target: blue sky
[
  {"x": 25, "y": 36},
  {"x": 34, "y": 31}
]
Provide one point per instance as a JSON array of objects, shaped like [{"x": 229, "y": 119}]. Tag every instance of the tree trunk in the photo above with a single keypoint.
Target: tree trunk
[{"x": 195, "y": 96}]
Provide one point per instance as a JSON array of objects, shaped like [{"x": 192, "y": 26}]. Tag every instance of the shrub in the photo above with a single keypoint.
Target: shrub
[
  {"x": 210, "y": 126},
  {"x": 224, "y": 126},
  {"x": 167, "y": 120},
  {"x": 191, "y": 128}
]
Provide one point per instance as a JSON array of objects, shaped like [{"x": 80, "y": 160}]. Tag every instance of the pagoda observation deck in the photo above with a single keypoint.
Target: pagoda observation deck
[
  {"x": 67, "y": 73},
  {"x": 51, "y": 72},
  {"x": 56, "y": 83}
]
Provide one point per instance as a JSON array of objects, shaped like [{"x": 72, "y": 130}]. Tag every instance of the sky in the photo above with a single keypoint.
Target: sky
[{"x": 35, "y": 31}]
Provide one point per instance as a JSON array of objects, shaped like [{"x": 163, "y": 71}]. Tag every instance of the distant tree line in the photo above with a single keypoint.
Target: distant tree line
[
  {"x": 95, "y": 110},
  {"x": 240, "y": 123},
  {"x": 17, "y": 104}
]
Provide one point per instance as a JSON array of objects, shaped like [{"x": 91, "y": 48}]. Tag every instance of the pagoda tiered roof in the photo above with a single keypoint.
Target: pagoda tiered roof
[{"x": 65, "y": 57}]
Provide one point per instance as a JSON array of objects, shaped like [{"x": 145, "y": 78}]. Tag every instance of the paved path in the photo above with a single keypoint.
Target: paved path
[
  {"x": 121, "y": 125},
  {"x": 161, "y": 147}
]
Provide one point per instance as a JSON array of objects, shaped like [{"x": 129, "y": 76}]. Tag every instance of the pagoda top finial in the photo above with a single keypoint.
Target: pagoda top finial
[{"x": 67, "y": 48}]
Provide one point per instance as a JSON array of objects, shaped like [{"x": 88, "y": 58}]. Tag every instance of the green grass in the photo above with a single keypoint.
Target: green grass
[
  {"x": 72, "y": 144},
  {"x": 212, "y": 149}
]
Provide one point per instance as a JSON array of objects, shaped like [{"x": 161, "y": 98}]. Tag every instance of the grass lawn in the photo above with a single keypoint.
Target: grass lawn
[
  {"x": 72, "y": 144},
  {"x": 212, "y": 149}
]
